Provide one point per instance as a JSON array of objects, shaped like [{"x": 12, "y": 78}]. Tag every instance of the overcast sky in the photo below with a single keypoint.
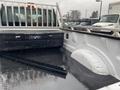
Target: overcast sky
[{"x": 82, "y": 5}]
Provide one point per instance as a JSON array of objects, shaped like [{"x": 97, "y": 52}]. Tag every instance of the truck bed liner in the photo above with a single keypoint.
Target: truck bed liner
[
  {"x": 61, "y": 57},
  {"x": 30, "y": 39}
]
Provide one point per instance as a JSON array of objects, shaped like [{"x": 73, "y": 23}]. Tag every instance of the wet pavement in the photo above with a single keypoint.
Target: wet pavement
[{"x": 18, "y": 76}]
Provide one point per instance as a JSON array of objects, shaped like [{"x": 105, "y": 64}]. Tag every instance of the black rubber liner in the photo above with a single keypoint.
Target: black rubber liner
[
  {"x": 89, "y": 79},
  {"x": 53, "y": 69},
  {"x": 59, "y": 57},
  {"x": 12, "y": 41}
]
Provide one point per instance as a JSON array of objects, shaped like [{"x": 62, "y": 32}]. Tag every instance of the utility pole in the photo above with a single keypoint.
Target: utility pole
[
  {"x": 100, "y": 14},
  {"x": 100, "y": 9},
  {"x": 86, "y": 12}
]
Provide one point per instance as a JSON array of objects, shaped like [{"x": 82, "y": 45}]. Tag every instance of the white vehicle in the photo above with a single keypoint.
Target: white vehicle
[
  {"x": 25, "y": 28},
  {"x": 112, "y": 20},
  {"x": 109, "y": 21}
]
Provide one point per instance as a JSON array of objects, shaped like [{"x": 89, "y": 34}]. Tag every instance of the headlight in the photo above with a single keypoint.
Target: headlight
[{"x": 110, "y": 24}]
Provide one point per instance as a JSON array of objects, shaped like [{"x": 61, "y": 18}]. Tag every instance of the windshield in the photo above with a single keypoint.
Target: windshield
[
  {"x": 110, "y": 18},
  {"x": 85, "y": 23}
]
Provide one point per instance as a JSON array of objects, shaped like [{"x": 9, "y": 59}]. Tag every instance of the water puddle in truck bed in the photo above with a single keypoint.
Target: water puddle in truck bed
[{"x": 17, "y": 76}]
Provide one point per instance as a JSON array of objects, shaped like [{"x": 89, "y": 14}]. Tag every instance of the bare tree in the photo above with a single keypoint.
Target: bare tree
[
  {"x": 72, "y": 15},
  {"x": 94, "y": 14},
  {"x": 67, "y": 16},
  {"x": 75, "y": 15}
]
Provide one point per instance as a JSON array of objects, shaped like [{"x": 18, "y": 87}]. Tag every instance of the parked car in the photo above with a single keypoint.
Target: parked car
[
  {"x": 110, "y": 20},
  {"x": 86, "y": 22},
  {"x": 68, "y": 25}
]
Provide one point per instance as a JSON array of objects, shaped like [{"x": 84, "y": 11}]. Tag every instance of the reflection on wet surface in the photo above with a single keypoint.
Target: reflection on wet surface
[{"x": 17, "y": 76}]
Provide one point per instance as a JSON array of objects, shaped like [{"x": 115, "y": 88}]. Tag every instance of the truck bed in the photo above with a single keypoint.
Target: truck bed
[{"x": 20, "y": 76}]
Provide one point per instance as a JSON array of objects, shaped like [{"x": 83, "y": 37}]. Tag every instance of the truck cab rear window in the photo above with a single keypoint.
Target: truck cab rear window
[
  {"x": 28, "y": 16},
  {"x": 22, "y": 16},
  {"x": 16, "y": 16},
  {"x": 3, "y": 16},
  {"x": 9, "y": 16}
]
